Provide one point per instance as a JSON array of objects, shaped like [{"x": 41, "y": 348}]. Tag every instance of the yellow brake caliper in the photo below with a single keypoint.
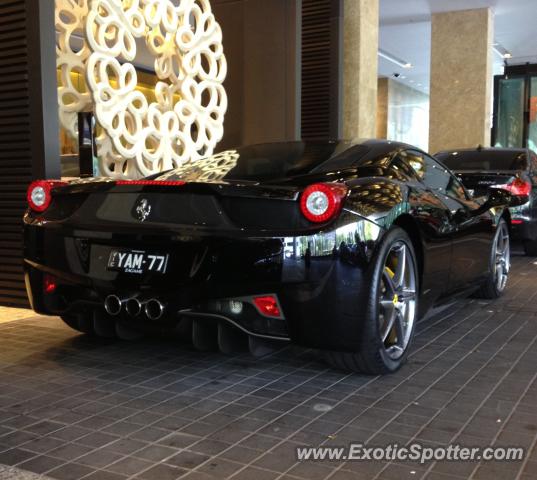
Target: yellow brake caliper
[{"x": 392, "y": 337}]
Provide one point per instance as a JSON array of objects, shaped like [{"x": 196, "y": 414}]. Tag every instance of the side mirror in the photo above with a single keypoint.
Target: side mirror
[{"x": 498, "y": 197}]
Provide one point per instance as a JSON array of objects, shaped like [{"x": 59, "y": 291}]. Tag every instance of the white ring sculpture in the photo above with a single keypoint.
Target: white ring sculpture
[{"x": 140, "y": 138}]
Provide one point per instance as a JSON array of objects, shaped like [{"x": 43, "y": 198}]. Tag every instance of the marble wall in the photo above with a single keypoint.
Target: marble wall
[
  {"x": 461, "y": 79},
  {"x": 360, "y": 64},
  {"x": 382, "y": 107}
]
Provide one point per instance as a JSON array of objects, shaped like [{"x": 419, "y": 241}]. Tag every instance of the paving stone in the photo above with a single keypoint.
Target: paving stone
[
  {"x": 70, "y": 471},
  {"x": 77, "y": 407}
]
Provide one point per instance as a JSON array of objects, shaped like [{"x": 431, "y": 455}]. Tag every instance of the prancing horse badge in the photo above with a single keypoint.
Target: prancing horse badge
[{"x": 143, "y": 210}]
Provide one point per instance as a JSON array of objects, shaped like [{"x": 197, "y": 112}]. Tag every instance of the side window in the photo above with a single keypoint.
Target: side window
[
  {"x": 401, "y": 169},
  {"x": 455, "y": 188},
  {"x": 415, "y": 160},
  {"x": 435, "y": 176}
]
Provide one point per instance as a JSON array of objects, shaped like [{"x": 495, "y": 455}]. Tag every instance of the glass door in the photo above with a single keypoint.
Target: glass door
[
  {"x": 515, "y": 108},
  {"x": 510, "y": 107},
  {"x": 532, "y": 124}
]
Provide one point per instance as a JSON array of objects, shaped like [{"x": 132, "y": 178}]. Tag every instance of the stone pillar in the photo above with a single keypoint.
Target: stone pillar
[
  {"x": 461, "y": 79},
  {"x": 360, "y": 67},
  {"x": 382, "y": 107}
]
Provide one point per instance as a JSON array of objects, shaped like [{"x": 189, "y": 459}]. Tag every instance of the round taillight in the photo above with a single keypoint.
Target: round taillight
[
  {"x": 320, "y": 202},
  {"x": 40, "y": 194}
]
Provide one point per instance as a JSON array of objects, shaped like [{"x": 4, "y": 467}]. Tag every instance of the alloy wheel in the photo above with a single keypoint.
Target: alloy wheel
[
  {"x": 502, "y": 257},
  {"x": 397, "y": 300}
]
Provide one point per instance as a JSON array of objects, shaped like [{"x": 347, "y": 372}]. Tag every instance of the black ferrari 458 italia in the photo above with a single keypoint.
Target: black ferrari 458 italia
[
  {"x": 338, "y": 246},
  {"x": 514, "y": 169}
]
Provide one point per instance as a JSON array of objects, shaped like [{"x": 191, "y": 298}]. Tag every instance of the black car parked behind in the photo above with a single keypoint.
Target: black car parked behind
[{"x": 514, "y": 169}]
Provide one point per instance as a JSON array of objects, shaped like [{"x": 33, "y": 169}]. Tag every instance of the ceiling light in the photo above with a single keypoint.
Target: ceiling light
[
  {"x": 393, "y": 59},
  {"x": 502, "y": 51}
]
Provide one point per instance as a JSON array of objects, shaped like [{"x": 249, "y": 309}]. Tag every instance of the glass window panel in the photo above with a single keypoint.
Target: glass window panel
[
  {"x": 532, "y": 127},
  {"x": 408, "y": 115},
  {"x": 510, "y": 132}
]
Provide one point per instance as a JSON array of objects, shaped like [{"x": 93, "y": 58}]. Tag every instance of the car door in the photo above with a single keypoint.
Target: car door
[
  {"x": 470, "y": 235},
  {"x": 433, "y": 218}
]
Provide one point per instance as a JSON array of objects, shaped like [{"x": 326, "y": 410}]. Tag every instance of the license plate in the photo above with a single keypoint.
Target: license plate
[{"x": 137, "y": 261}]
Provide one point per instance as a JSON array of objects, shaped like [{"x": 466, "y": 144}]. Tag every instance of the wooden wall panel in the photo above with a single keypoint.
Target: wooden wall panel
[
  {"x": 15, "y": 153},
  {"x": 28, "y": 125},
  {"x": 321, "y": 68},
  {"x": 261, "y": 43}
]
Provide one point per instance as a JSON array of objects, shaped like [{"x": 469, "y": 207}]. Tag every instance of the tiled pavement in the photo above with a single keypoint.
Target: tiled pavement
[
  {"x": 12, "y": 314},
  {"x": 14, "y": 473},
  {"x": 73, "y": 407}
]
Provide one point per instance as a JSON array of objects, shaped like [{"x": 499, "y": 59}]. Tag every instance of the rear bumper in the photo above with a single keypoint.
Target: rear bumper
[
  {"x": 523, "y": 226},
  {"x": 521, "y": 231},
  {"x": 320, "y": 281}
]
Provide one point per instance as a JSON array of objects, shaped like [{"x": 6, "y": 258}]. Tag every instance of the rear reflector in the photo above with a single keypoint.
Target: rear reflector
[
  {"x": 268, "y": 306},
  {"x": 164, "y": 183},
  {"x": 321, "y": 202},
  {"x": 49, "y": 284}
]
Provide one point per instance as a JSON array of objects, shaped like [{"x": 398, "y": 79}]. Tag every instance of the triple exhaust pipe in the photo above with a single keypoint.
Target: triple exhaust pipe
[{"x": 153, "y": 308}]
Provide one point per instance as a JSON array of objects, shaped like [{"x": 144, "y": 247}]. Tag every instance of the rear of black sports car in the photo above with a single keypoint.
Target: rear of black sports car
[
  {"x": 512, "y": 169},
  {"x": 240, "y": 255}
]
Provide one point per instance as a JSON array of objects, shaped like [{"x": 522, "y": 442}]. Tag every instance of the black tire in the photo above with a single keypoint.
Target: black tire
[
  {"x": 493, "y": 288},
  {"x": 372, "y": 356},
  {"x": 82, "y": 323},
  {"x": 530, "y": 248}
]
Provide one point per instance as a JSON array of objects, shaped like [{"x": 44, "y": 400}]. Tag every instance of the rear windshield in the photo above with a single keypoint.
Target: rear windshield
[
  {"x": 485, "y": 160},
  {"x": 266, "y": 162}
]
